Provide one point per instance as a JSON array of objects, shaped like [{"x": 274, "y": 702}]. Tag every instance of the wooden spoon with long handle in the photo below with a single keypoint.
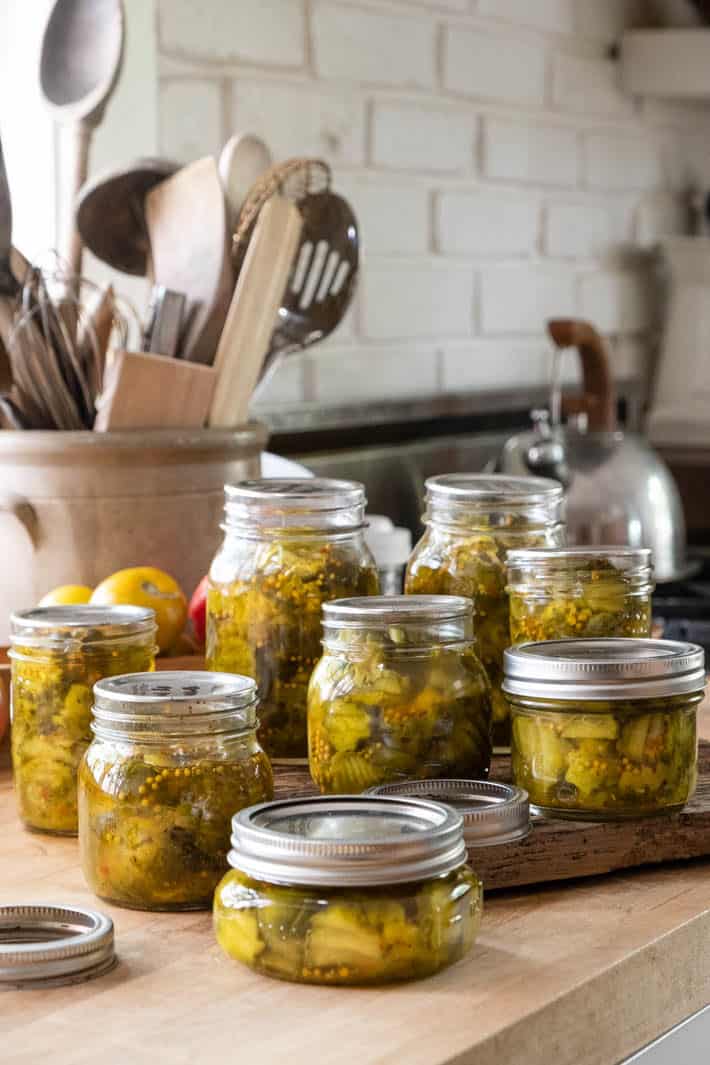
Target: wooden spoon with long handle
[
  {"x": 82, "y": 54},
  {"x": 253, "y": 311}
]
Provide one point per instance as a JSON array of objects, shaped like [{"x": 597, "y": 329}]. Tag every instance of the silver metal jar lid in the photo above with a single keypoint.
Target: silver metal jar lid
[
  {"x": 368, "y": 610},
  {"x": 311, "y": 493},
  {"x": 625, "y": 557},
  {"x": 175, "y": 702},
  {"x": 79, "y": 624},
  {"x": 619, "y": 668},
  {"x": 44, "y": 945},
  {"x": 347, "y": 841},
  {"x": 493, "y": 488},
  {"x": 492, "y": 813}
]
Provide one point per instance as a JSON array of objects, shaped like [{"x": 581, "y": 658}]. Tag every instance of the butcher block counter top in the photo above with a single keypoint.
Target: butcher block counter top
[{"x": 579, "y": 974}]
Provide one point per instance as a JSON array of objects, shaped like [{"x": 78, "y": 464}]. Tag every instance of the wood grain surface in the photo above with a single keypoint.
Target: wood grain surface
[
  {"x": 562, "y": 849},
  {"x": 581, "y": 973}
]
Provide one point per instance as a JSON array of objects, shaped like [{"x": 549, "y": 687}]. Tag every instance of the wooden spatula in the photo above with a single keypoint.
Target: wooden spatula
[
  {"x": 187, "y": 226},
  {"x": 252, "y": 313}
]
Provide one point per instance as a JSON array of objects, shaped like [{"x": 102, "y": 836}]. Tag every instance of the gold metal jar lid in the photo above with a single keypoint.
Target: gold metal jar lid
[
  {"x": 603, "y": 669},
  {"x": 347, "y": 841},
  {"x": 492, "y": 813},
  {"x": 44, "y": 945}
]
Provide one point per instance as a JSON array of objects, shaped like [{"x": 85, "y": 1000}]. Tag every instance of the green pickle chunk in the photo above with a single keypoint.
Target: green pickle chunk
[
  {"x": 51, "y": 718},
  {"x": 348, "y": 936},
  {"x": 266, "y": 624},
  {"x": 474, "y": 566},
  {"x": 615, "y": 759},
  {"x": 601, "y": 604},
  {"x": 155, "y": 827},
  {"x": 375, "y": 716}
]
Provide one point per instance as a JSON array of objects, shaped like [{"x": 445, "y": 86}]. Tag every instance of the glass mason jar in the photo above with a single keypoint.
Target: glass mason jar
[
  {"x": 174, "y": 756},
  {"x": 579, "y": 591},
  {"x": 289, "y": 547},
  {"x": 356, "y": 890},
  {"x": 605, "y": 728},
  {"x": 472, "y": 521},
  {"x": 58, "y": 653},
  {"x": 398, "y": 694}
]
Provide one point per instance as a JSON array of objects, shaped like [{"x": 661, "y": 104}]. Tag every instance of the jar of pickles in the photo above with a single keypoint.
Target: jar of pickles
[
  {"x": 472, "y": 521},
  {"x": 605, "y": 728},
  {"x": 289, "y": 547},
  {"x": 356, "y": 890},
  {"x": 58, "y": 653},
  {"x": 579, "y": 592},
  {"x": 174, "y": 755},
  {"x": 398, "y": 694}
]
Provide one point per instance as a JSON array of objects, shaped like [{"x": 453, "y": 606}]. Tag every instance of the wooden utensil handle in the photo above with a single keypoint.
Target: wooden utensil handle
[
  {"x": 25, "y": 513},
  {"x": 598, "y": 399},
  {"x": 76, "y": 170}
]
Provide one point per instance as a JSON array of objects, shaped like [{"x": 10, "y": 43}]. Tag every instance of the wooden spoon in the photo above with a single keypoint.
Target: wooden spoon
[
  {"x": 82, "y": 53},
  {"x": 187, "y": 226},
  {"x": 110, "y": 213},
  {"x": 243, "y": 160}
]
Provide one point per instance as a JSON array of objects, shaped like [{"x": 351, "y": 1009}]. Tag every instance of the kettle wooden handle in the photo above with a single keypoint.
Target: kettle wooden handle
[{"x": 598, "y": 399}]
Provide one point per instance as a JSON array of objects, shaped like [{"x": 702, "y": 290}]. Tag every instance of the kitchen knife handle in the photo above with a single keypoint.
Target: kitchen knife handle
[
  {"x": 598, "y": 400},
  {"x": 25, "y": 513}
]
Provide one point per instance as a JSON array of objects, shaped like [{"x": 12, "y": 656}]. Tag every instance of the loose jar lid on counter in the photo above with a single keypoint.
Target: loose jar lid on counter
[
  {"x": 347, "y": 841},
  {"x": 82, "y": 625},
  {"x": 492, "y": 813},
  {"x": 44, "y": 946},
  {"x": 175, "y": 702},
  {"x": 618, "y": 668}
]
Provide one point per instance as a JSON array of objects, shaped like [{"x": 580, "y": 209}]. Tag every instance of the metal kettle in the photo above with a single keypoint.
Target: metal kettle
[{"x": 618, "y": 490}]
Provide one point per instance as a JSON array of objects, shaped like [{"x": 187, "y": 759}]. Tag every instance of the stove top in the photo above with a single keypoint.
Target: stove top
[{"x": 682, "y": 608}]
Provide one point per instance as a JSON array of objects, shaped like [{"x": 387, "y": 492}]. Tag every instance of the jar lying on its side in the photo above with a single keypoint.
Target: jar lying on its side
[
  {"x": 289, "y": 547},
  {"x": 58, "y": 653},
  {"x": 579, "y": 592},
  {"x": 605, "y": 729},
  {"x": 348, "y": 890},
  {"x": 472, "y": 521},
  {"x": 174, "y": 756},
  {"x": 398, "y": 694}
]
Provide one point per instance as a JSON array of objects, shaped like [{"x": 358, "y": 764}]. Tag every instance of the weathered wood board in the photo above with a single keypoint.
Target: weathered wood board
[{"x": 562, "y": 850}]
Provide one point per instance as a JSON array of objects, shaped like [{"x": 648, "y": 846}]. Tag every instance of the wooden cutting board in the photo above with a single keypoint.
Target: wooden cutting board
[{"x": 562, "y": 850}]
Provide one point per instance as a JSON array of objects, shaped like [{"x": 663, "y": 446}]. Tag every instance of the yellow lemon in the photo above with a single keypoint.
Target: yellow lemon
[
  {"x": 147, "y": 586},
  {"x": 67, "y": 595}
]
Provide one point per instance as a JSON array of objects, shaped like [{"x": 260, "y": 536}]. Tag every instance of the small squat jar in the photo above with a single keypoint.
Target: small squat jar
[
  {"x": 605, "y": 728},
  {"x": 58, "y": 653},
  {"x": 398, "y": 694},
  {"x": 174, "y": 756},
  {"x": 472, "y": 521},
  {"x": 579, "y": 592},
  {"x": 348, "y": 890},
  {"x": 289, "y": 547}
]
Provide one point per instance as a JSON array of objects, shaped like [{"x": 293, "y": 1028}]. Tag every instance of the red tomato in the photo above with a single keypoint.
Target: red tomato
[{"x": 197, "y": 611}]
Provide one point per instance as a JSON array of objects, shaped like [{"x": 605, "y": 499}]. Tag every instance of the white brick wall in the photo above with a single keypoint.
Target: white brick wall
[{"x": 499, "y": 174}]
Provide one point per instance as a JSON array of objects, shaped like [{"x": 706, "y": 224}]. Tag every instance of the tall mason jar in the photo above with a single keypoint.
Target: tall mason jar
[
  {"x": 289, "y": 547},
  {"x": 58, "y": 654},
  {"x": 472, "y": 521},
  {"x": 399, "y": 694}
]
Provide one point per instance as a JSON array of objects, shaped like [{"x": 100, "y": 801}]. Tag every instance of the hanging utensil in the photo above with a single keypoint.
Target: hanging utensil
[
  {"x": 82, "y": 54},
  {"x": 242, "y": 162},
  {"x": 110, "y": 213}
]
